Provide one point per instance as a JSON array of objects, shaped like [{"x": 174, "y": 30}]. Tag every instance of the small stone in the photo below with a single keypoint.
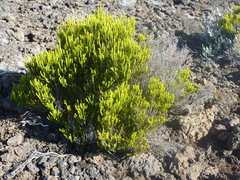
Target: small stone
[
  {"x": 62, "y": 163},
  {"x": 35, "y": 49},
  {"x": 72, "y": 169},
  {"x": 55, "y": 171},
  {"x": 2, "y": 131},
  {"x": 1, "y": 144},
  {"x": 3, "y": 38},
  {"x": 65, "y": 174},
  {"x": 77, "y": 178},
  {"x": 47, "y": 11},
  {"x": 3, "y": 66},
  {"x": 235, "y": 121},
  {"x": 19, "y": 35},
  {"x": 73, "y": 159},
  {"x": 184, "y": 163},
  {"x": 51, "y": 178},
  {"x": 4, "y": 41},
  {"x": 1, "y": 172},
  {"x": 21, "y": 65},
  {"x": 32, "y": 168},
  {"x": 26, "y": 175},
  {"x": 15, "y": 154},
  {"x": 51, "y": 162},
  {"x": 7, "y": 157},
  {"x": 227, "y": 152},
  {"x": 220, "y": 127},
  {"x": 149, "y": 25},
  {"x": 145, "y": 163},
  {"x": 43, "y": 160},
  {"x": 15, "y": 140},
  {"x": 210, "y": 171},
  {"x": 19, "y": 151},
  {"x": 127, "y": 4}
]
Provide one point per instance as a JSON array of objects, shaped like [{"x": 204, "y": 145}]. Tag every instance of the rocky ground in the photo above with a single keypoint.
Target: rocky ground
[{"x": 201, "y": 139}]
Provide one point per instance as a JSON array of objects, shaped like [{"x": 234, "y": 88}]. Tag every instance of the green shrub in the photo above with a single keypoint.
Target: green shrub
[
  {"x": 168, "y": 62},
  {"x": 183, "y": 80},
  {"x": 230, "y": 22},
  {"x": 220, "y": 34},
  {"x": 88, "y": 84},
  {"x": 126, "y": 116}
]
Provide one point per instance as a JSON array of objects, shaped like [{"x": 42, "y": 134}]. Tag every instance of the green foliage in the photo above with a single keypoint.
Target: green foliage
[
  {"x": 230, "y": 23},
  {"x": 178, "y": 84},
  {"x": 167, "y": 63},
  {"x": 88, "y": 84},
  {"x": 221, "y": 35},
  {"x": 183, "y": 80},
  {"x": 126, "y": 116},
  {"x": 158, "y": 96}
]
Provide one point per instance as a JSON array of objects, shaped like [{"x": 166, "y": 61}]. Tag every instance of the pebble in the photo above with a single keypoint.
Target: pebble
[
  {"x": 72, "y": 169},
  {"x": 73, "y": 159},
  {"x": 55, "y": 171},
  {"x": 15, "y": 140},
  {"x": 35, "y": 49},
  {"x": 51, "y": 162},
  {"x": 2, "y": 172},
  {"x": 2, "y": 130},
  {"x": 62, "y": 163},
  {"x": 227, "y": 152},
  {"x": 26, "y": 175},
  {"x": 3, "y": 66},
  {"x": 235, "y": 121},
  {"x": 43, "y": 159},
  {"x": 3, "y": 41},
  {"x": 33, "y": 168},
  {"x": 1, "y": 144},
  {"x": 220, "y": 127},
  {"x": 127, "y": 4},
  {"x": 21, "y": 65},
  {"x": 19, "y": 35}
]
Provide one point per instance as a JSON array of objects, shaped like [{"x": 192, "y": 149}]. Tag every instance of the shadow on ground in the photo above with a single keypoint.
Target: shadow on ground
[{"x": 34, "y": 123}]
